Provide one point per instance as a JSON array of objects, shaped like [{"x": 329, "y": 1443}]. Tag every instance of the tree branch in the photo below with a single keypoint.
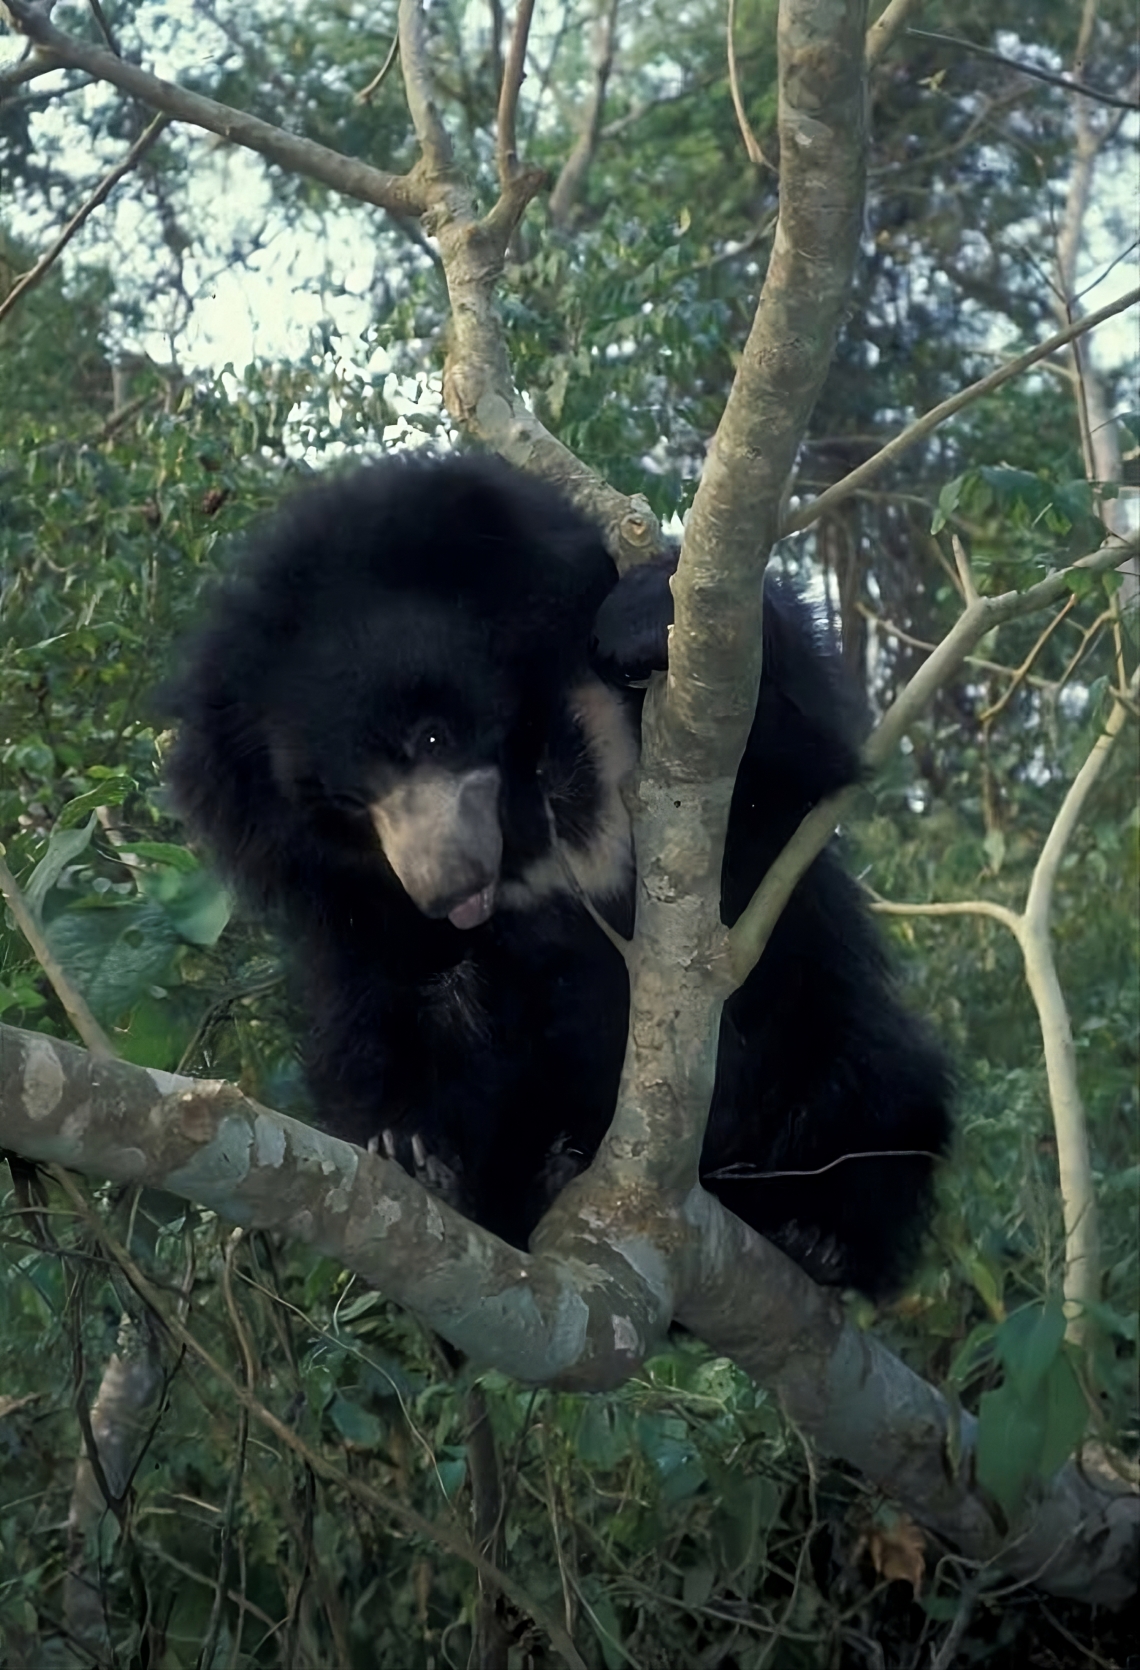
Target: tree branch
[
  {"x": 433, "y": 138},
  {"x": 478, "y": 385},
  {"x": 751, "y": 932},
  {"x": 696, "y": 721},
  {"x": 885, "y": 27},
  {"x": 568, "y": 186},
  {"x": 1031, "y": 929},
  {"x": 542, "y": 1318},
  {"x": 927, "y": 424},
  {"x": 537, "y": 1316},
  {"x": 1078, "y": 1196},
  {"x": 506, "y": 153},
  {"x": 1078, "y": 1535},
  {"x": 400, "y": 194}
]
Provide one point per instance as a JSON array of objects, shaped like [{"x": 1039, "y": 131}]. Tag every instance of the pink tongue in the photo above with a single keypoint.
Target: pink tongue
[{"x": 471, "y": 912}]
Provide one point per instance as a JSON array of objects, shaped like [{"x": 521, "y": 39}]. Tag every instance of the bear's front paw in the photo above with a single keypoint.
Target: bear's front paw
[{"x": 440, "y": 1179}]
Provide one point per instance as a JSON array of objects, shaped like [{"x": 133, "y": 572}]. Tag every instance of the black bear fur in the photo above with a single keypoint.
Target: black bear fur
[{"x": 401, "y": 733}]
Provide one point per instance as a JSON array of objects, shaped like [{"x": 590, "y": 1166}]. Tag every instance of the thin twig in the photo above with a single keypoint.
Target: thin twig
[
  {"x": 998, "y": 667},
  {"x": 74, "y": 1003},
  {"x": 1063, "y": 81},
  {"x": 751, "y": 143},
  {"x": 990, "y": 713},
  {"x": 32, "y": 277},
  {"x": 925, "y": 425},
  {"x": 365, "y": 94}
]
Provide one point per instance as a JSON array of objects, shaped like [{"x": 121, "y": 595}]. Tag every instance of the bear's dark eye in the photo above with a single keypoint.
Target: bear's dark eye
[{"x": 428, "y": 739}]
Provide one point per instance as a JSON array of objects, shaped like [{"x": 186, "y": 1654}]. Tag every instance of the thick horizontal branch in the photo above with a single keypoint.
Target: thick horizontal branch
[
  {"x": 539, "y": 1318},
  {"x": 400, "y": 194},
  {"x": 583, "y": 1320},
  {"x": 932, "y": 420}
]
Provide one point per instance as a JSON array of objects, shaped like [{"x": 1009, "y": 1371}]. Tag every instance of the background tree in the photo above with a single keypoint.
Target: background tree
[{"x": 128, "y": 467}]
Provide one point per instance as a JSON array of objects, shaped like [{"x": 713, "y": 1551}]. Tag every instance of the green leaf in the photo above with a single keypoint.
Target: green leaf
[
  {"x": 197, "y": 903},
  {"x": 1027, "y": 1344},
  {"x": 63, "y": 848},
  {"x": 111, "y": 792},
  {"x": 156, "y": 1031},
  {"x": 1011, "y": 1442},
  {"x": 602, "y": 1439},
  {"x": 356, "y": 1426},
  {"x": 162, "y": 852},
  {"x": 973, "y": 1354},
  {"x": 606, "y": 1624},
  {"x": 114, "y": 952},
  {"x": 1066, "y": 1415}
]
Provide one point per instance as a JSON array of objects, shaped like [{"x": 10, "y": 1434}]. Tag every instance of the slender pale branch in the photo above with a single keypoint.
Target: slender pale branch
[
  {"x": 751, "y": 144},
  {"x": 750, "y": 934},
  {"x": 1031, "y": 929},
  {"x": 930, "y": 421},
  {"x": 949, "y": 907},
  {"x": 1082, "y": 1260}
]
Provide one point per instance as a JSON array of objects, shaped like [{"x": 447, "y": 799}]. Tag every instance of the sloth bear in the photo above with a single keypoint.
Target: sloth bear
[{"x": 403, "y": 731}]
